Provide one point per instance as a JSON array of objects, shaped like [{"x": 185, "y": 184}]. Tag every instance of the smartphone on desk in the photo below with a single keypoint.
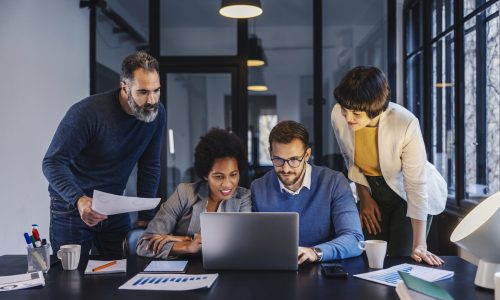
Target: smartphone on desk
[{"x": 331, "y": 270}]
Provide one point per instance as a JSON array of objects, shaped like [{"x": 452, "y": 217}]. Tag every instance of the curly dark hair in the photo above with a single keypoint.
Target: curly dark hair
[{"x": 218, "y": 143}]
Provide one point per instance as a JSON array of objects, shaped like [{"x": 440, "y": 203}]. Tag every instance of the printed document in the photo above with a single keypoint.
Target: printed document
[
  {"x": 169, "y": 282},
  {"x": 109, "y": 204},
  {"x": 22, "y": 281},
  {"x": 391, "y": 277}
]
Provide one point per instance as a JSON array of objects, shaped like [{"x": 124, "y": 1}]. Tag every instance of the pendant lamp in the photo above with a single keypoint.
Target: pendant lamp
[
  {"x": 256, "y": 56},
  {"x": 240, "y": 9},
  {"x": 256, "y": 81}
]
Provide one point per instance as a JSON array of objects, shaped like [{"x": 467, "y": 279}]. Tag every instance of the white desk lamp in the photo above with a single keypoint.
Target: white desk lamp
[{"x": 479, "y": 233}]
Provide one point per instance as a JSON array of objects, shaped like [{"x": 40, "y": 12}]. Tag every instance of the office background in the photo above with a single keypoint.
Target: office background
[{"x": 55, "y": 53}]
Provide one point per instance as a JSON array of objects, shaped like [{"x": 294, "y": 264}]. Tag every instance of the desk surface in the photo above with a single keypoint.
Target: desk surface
[{"x": 307, "y": 283}]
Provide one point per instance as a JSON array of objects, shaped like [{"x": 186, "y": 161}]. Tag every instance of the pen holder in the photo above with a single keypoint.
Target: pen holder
[{"x": 39, "y": 259}]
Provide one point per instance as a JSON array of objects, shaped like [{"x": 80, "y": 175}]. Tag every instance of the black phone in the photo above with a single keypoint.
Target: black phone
[{"x": 333, "y": 271}]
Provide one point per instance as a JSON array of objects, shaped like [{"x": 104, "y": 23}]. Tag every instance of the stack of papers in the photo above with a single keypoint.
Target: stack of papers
[
  {"x": 169, "y": 282},
  {"x": 22, "y": 281},
  {"x": 119, "y": 267},
  {"x": 391, "y": 277},
  {"x": 172, "y": 266}
]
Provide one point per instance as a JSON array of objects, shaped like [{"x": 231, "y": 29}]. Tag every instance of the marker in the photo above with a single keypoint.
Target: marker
[
  {"x": 111, "y": 263},
  {"x": 28, "y": 240},
  {"x": 44, "y": 242},
  {"x": 33, "y": 241},
  {"x": 34, "y": 232}
]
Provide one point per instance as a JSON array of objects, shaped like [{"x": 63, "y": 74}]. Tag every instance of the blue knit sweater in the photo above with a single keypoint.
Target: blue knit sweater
[
  {"x": 97, "y": 145},
  {"x": 329, "y": 219}
]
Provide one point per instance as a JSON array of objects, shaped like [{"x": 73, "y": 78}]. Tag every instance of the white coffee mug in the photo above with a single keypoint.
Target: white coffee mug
[
  {"x": 375, "y": 251},
  {"x": 69, "y": 256},
  {"x": 497, "y": 286}
]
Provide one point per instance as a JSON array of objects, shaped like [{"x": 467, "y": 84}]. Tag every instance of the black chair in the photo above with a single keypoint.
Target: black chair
[{"x": 130, "y": 243}]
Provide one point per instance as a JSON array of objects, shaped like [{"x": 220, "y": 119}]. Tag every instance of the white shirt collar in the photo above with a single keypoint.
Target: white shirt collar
[{"x": 306, "y": 182}]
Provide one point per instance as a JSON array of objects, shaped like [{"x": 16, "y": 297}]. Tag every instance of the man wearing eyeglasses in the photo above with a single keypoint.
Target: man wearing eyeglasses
[
  {"x": 329, "y": 226},
  {"x": 96, "y": 146}
]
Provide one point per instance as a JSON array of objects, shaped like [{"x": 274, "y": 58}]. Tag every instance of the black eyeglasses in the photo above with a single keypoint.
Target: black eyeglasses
[{"x": 292, "y": 162}]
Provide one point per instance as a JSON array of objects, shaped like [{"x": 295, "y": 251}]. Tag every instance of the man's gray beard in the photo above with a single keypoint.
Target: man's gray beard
[{"x": 141, "y": 113}]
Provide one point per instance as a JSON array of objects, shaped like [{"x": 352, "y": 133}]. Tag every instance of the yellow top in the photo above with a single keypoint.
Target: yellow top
[{"x": 366, "y": 151}]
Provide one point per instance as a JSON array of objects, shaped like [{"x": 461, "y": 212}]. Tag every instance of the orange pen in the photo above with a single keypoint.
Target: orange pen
[{"x": 104, "y": 266}]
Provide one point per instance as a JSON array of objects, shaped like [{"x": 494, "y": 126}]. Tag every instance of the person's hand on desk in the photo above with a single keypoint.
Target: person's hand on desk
[
  {"x": 420, "y": 254},
  {"x": 307, "y": 254},
  {"x": 157, "y": 241},
  {"x": 88, "y": 215},
  {"x": 188, "y": 247}
]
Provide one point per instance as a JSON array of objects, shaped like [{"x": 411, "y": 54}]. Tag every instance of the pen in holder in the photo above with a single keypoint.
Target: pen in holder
[{"x": 39, "y": 258}]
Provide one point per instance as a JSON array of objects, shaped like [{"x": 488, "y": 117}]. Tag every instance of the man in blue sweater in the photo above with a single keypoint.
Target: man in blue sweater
[
  {"x": 95, "y": 147},
  {"x": 329, "y": 226}
]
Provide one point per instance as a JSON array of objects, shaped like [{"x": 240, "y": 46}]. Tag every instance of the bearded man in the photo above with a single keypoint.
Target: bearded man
[
  {"x": 329, "y": 226},
  {"x": 97, "y": 144}
]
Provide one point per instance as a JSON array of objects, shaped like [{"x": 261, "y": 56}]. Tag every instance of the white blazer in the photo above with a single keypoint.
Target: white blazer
[{"x": 402, "y": 159}]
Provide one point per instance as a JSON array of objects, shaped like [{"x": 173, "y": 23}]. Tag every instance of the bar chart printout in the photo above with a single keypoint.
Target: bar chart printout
[
  {"x": 391, "y": 277},
  {"x": 169, "y": 282}
]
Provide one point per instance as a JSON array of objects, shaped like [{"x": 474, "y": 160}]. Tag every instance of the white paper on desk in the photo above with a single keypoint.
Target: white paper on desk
[
  {"x": 178, "y": 266},
  {"x": 22, "y": 281},
  {"x": 119, "y": 267},
  {"x": 391, "y": 277},
  {"x": 109, "y": 204},
  {"x": 169, "y": 282}
]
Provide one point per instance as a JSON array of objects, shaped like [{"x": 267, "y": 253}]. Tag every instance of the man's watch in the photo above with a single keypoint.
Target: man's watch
[{"x": 318, "y": 252}]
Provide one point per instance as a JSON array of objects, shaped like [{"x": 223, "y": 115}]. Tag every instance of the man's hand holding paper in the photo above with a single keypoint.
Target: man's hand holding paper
[{"x": 109, "y": 204}]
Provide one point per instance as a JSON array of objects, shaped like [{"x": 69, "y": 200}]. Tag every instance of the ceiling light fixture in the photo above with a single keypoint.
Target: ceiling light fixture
[
  {"x": 256, "y": 81},
  {"x": 240, "y": 9},
  {"x": 256, "y": 56}
]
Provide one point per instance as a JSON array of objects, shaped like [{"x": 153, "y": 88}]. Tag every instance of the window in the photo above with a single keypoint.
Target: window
[{"x": 460, "y": 100}]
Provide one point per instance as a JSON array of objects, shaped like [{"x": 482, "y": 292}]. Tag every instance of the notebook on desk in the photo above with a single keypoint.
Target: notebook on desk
[{"x": 250, "y": 241}]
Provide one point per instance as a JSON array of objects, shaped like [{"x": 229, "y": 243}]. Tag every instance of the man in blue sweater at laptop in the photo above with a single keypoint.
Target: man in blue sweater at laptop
[
  {"x": 329, "y": 226},
  {"x": 95, "y": 147}
]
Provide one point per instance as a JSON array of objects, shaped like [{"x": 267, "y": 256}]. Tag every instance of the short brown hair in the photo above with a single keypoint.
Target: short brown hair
[
  {"x": 364, "y": 89},
  {"x": 285, "y": 131}
]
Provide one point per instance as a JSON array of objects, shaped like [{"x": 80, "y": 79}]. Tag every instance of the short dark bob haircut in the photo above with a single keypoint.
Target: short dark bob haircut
[
  {"x": 365, "y": 89},
  {"x": 218, "y": 143},
  {"x": 286, "y": 131}
]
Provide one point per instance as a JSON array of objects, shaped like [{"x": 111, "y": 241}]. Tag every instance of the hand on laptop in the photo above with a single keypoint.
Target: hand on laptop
[
  {"x": 307, "y": 254},
  {"x": 157, "y": 241},
  {"x": 190, "y": 246}
]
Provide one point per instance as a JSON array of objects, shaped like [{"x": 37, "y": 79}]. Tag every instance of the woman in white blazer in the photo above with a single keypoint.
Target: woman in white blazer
[{"x": 382, "y": 145}]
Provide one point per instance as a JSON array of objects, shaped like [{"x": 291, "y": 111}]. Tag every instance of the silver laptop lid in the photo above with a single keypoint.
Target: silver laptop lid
[{"x": 250, "y": 241}]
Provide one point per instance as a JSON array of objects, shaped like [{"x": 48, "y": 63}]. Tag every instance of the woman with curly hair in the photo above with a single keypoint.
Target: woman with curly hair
[{"x": 220, "y": 157}]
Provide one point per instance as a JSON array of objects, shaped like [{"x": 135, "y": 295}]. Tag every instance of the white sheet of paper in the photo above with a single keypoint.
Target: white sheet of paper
[
  {"x": 109, "y": 204},
  {"x": 167, "y": 266},
  {"x": 169, "y": 282},
  {"x": 119, "y": 267},
  {"x": 21, "y": 281},
  {"x": 391, "y": 277}
]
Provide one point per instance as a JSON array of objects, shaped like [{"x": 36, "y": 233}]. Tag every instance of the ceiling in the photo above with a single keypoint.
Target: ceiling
[{"x": 198, "y": 13}]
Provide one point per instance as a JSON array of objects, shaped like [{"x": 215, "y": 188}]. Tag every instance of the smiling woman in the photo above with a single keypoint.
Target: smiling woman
[{"x": 220, "y": 157}]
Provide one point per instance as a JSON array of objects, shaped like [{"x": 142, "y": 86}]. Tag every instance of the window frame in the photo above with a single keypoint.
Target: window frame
[{"x": 460, "y": 201}]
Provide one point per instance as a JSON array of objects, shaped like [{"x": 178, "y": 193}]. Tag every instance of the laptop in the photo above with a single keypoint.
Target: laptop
[{"x": 250, "y": 241}]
